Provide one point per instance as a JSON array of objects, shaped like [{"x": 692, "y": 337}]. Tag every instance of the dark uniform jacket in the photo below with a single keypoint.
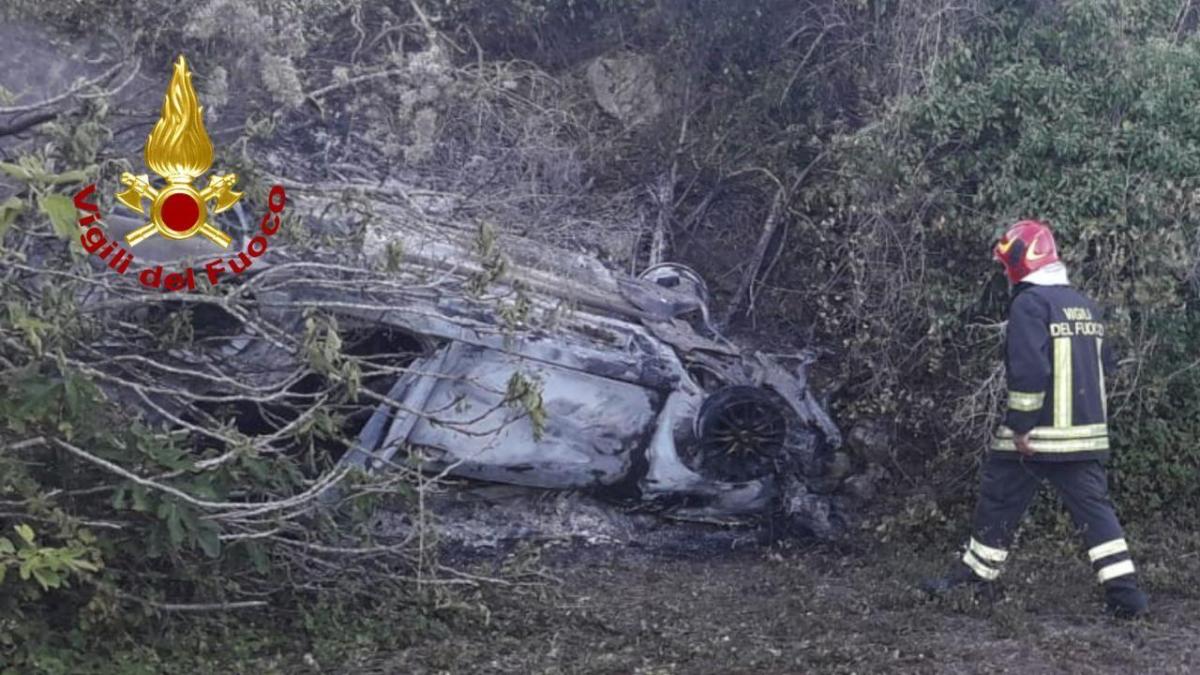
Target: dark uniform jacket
[{"x": 1057, "y": 361}]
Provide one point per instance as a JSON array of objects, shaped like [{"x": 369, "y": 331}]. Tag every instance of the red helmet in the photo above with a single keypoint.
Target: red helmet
[{"x": 1027, "y": 247}]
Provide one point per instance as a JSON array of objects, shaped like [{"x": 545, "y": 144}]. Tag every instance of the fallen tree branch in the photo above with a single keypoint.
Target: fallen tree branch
[
  {"x": 760, "y": 250},
  {"x": 27, "y": 123},
  {"x": 27, "y": 443},
  {"x": 190, "y": 607},
  {"x": 77, "y": 90},
  {"x": 239, "y": 509},
  {"x": 770, "y": 225}
]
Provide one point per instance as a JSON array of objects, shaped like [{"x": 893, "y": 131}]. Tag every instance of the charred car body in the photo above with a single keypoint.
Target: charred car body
[{"x": 640, "y": 399}]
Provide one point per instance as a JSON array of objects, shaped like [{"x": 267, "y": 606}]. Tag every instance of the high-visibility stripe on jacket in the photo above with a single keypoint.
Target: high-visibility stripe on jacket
[{"x": 1057, "y": 362}]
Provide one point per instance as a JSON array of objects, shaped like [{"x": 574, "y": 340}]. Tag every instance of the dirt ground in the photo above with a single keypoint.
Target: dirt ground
[{"x": 813, "y": 610}]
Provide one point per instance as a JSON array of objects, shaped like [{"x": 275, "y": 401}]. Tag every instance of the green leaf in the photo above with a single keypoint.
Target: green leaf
[
  {"x": 3, "y": 572},
  {"x": 81, "y": 396},
  {"x": 16, "y": 171},
  {"x": 169, "y": 512},
  {"x": 140, "y": 498},
  {"x": 168, "y": 456},
  {"x": 47, "y": 577},
  {"x": 257, "y": 467},
  {"x": 62, "y": 214},
  {"x": 25, "y": 532},
  {"x": 32, "y": 170},
  {"x": 6, "y": 546},
  {"x": 69, "y": 177},
  {"x": 83, "y": 565},
  {"x": 118, "y": 498},
  {"x": 258, "y": 556},
  {"x": 202, "y": 487},
  {"x": 9, "y": 210},
  {"x": 209, "y": 539}
]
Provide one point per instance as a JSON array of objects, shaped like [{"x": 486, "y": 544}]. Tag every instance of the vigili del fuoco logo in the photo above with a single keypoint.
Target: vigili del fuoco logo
[{"x": 179, "y": 151}]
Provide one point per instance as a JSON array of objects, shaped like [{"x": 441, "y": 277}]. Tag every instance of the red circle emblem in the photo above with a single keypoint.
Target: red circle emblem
[{"x": 180, "y": 212}]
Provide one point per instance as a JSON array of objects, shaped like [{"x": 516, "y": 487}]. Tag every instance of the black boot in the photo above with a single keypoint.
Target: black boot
[
  {"x": 1123, "y": 599},
  {"x": 959, "y": 576}
]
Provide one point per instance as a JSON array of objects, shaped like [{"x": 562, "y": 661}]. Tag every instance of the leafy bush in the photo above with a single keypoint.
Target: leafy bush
[
  {"x": 126, "y": 495},
  {"x": 1084, "y": 116}
]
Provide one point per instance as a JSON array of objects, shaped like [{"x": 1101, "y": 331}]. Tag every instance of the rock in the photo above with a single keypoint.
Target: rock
[
  {"x": 864, "y": 487},
  {"x": 626, "y": 87},
  {"x": 870, "y": 441},
  {"x": 840, "y": 466},
  {"x": 809, "y": 511}
]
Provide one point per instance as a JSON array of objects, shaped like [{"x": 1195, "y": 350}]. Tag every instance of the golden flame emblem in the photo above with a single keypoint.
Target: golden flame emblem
[{"x": 179, "y": 150}]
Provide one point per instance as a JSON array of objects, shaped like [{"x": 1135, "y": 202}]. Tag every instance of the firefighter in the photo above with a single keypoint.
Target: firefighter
[{"x": 1055, "y": 428}]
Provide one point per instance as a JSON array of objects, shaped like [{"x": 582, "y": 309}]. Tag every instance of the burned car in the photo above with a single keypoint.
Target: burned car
[{"x": 640, "y": 398}]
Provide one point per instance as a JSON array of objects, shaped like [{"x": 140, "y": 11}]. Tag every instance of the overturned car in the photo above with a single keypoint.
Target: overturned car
[{"x": 638, "y": 398}]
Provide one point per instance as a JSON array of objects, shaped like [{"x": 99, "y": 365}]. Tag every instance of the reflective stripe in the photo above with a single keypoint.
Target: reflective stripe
[
  {"x": 1103, "y": 389},
  {"x": 1079, "y": 445},
  {"x": 1106, "y": 549},
  {"x": 979, "y": 568},
  {"x": 1063, "y": 382},
  {"x": 1026, "y": 402},
  {"x": 987, "y": 553},
  {"x": 1115, "y": 570},
  {"x": 1081, "y": 431}
]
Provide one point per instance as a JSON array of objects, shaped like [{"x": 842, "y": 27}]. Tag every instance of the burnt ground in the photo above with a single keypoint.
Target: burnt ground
[{"x": 810, "y": 610}]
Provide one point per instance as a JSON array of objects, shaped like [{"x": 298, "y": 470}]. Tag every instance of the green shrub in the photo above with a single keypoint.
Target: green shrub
[{"x": 1085, "y": 116}]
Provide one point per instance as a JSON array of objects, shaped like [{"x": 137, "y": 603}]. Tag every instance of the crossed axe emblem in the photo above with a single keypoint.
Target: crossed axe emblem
[{"x": 179, "y": 211}]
